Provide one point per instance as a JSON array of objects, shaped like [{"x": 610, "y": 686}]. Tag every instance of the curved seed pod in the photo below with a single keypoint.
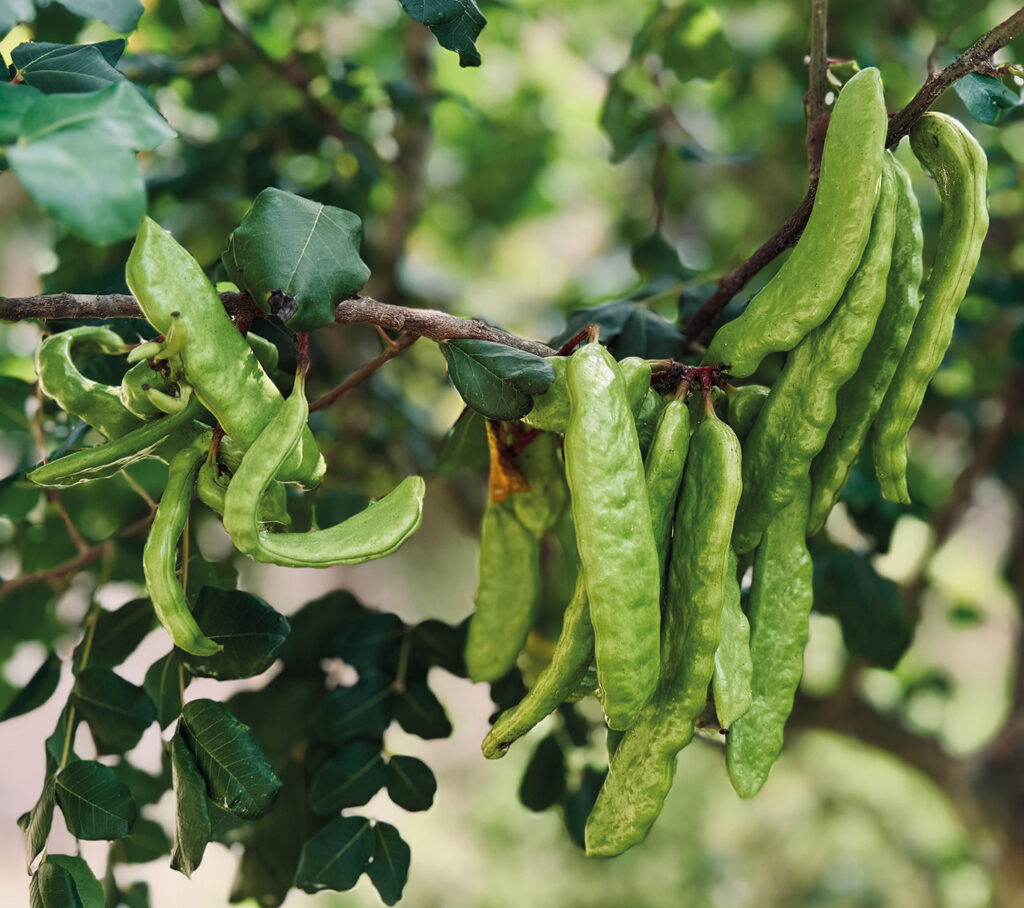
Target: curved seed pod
[
  {"x": 612, "y": 515},
  {"x": 636, "y": 376},
  {"x": 550, "y": 411},
  {"x": 91, "y": 401},
  {"x": 743, "y": 408},
  {"x": 861, "y": 397},
  {"x": 168, "y": 403},
  {"x": 647, "y": 418},
  {"x": 265, "y": 351},
  {"x": 780, "y": 605},
  {"x": 810, "y": 283},
  {"x": 159, "y": 556},
  {"x": 134, "y": 385},
  {"x": 540, "y": 508},
  {"x": 376, "y": 531},
  {"x": 733, "y": 666},
  {"x": 795, "y": 420},
  {"x": 165, "y": 280},
  {"x": 159, "y": 437},
  {"x": 212, "y": 487},
  {"x": 642, "y": 768},
  {"x": 957, "y": 163},
  {"x": 507, "y": 596},
  {"x": 571, "y": 670}
]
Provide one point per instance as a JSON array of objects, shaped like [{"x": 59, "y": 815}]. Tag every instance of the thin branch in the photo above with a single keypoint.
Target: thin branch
[
  {"x": 899, "y": 125},
  {"x": 364, "y": 372},
  {"x": 817, "y": 88},
  {"x": 429, "y": 323}
]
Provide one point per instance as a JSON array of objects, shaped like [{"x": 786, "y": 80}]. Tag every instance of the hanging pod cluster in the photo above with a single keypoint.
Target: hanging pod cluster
[
  {"x": 657, "y": 619},
  {"x": 203, "y": 373}
]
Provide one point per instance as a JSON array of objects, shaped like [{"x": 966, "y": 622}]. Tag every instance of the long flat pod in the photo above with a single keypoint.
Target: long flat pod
[
  {"x": 810, "y": 282},
  {"x": 780, "y": 605},
  {"x": 374, "y": 532},
  {"x": 218, "y": 363},
  {"x": 795, "y": 420},
  {"x": 957, "y": 163},
  {"x": 613, "y": 532},
  {"x": 643, "y": 765},
  {"x": 861, "y": 397}
]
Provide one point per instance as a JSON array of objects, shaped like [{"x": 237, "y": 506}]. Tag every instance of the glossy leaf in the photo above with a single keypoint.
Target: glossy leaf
[
  {"x": 299, "y": 255},
  {"x": 35, "y": 825},
  {"x": 37, "y": 691},
  {"x": 117, "y": 712},
  {"x": 68, "y": 67},
  {"x": 495, "y": 380},
  {"x": 411, "y": 784},
  {"x": 249, "y": 630},
  {"x": 120, "y": 15},
  {"x": 986, "y": 98},
  {"x": 52, "y": 886},
  {"x": 238, "y": 775},
  {"x": 349, "y": 779},
  {"x": 543, "y": 781},
  {"x": 164, "y": 683},
  {"x": 95, "y": 803},
  {"x": 88, "y": 888},
  {"x": 336, "y": 856},
  {"x": 15, "y": 101},
  {"x": 455, "y": 23},
  {"x": 419, "y": 712},
  {"x": 117, "y": 634},
  {"x": 389, "y": 869}
]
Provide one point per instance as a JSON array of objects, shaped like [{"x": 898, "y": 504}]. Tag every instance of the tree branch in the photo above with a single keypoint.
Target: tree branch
[
  {"x": 899, "y": 125},
  {"x": 364, "y": 372},
  {"x": 429, "y": 323}
]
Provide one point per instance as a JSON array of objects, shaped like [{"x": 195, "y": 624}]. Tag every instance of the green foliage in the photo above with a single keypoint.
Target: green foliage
[
  {"x": 496, "y": 381},
  {"x": 455, "y": 24}
]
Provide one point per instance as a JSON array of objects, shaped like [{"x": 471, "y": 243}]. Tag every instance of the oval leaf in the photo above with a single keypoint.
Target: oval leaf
[
  {"x": 238, "y": 775},
  {"x": 52, "y": 886},
  {"x": 165, "y": 680},
  {"x": 37, "y": 691},
  {"x": 419, "y": 712},
  {"x": 192, "y": 818},
  {"x": 117, "y": 711},
  {"x": 249, "y": 630},
  {"x": 117, "y": 634},
  {"x": 495, "y": 380},
  {"x": 361, "y": 711},
  {"x": 348, "y": 780},
  {"x": 410, "y": 782},
  {"x": 455, "y": 24},
  {"x": 389, "y": 868},
  {"x": 95, "y": 803},
  {"x": 336, "y": 856},
  {"x": 87, "y": 886},
  {"x": 986, "y": 98},
  {"x": 544, "y": 778},
  {"x": 35, "y": 825},
  {"x": 298, "y": 259}
]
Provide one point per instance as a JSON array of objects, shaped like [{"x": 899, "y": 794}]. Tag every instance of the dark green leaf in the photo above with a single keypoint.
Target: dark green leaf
[
  {"x": 544, "y": 778},
  {"x": 221, "y": 574},
  {"x": 15, "y": 101},
  {"x": 148, "y": 842},
  {"x": 433, "y": 642},
  {"x": 688, "y": 39},
  {"x": 371, "y": 641},
  {"x": 69, "y": 67},
  {"x": 869, "y": 607},
  {"x": 117, "y": 711},
  {"x": 145, "y": 789},
  {"x": 238, "y": 775},
  {"x": 17, "y": 499},
  {"x": 192, "y": 819},
  {"x": 96, "y": 804},
  {"x": 164, "y": 683},
  {"x": 361, "y": 711},
  {"x": 93, "y": 189},
  {"x": 419, "y": 712},
  {"x": 336, "y": 856},
  {"x": 35, "y": 825},
  {"x": 627, "y": 330},
  {"x": 117, "y": 116},
  {"x": 348, "y": 780},
  {"x": 495, "y": 380},
  {"x": 464, "y": 448},
  {"x": 135, "y": 896},
  {"x": 120, "y": 15},
  {"x": 389, "y": 869},
  {"x": 314, "y": 629},
  {"x": 629, "y": 122},
  {"x": 117, "y": 634},
  {"x": 410, "y": 782},
  {"x": 581, "y": 801},
  {"x": 298, "y": 254},
  {"x": 86, "y": 885},
  {"x": 455, "y": 23},
  {"x": 655, "y": 257},
  {"x": 282, "y": 713},
  {"x": 986, "y": 98},
  {"x": 249, "y": 630},
  {"x": 52, "y": 886},
  {"x": 37, "y": 691}
]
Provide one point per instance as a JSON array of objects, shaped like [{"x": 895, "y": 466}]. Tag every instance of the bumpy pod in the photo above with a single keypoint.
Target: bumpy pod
[
  {"x": 795, "y": 420},
  {"x": 957, "y": 163},
  {"x": 780, "y": 605},
  {"x": 861, "y": 397},
  {"x": 139, "y": 379},
  {"x": 613, "y": 532},
  {"x": 165, "y": 279},
  {"x": 743, "y": 408},
  {"x": 93, "y": 402},
  {"x": 733, "y": 665},
  {"x": 540, "y": 508},
  {"x": 643, "y": 765},
  {"x": 810, "y": 282}
]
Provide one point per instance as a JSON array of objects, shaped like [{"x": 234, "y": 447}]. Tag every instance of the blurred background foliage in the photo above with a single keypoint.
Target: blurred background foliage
[{"x": 603, "y": 151}]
